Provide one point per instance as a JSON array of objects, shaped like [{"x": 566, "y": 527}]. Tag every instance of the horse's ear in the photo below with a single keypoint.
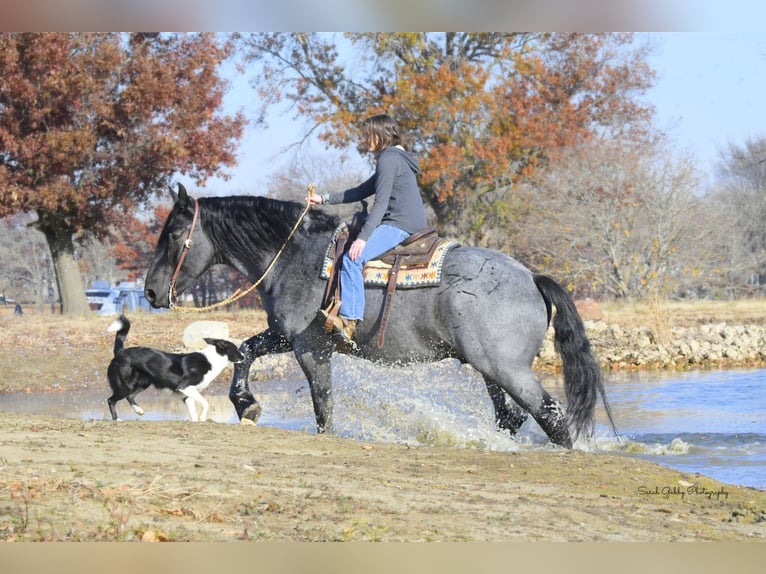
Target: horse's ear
[{"x": 180, "y": 197}]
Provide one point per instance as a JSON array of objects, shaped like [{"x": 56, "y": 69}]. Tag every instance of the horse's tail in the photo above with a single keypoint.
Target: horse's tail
[
  {"x": 583, "y": 379},
  {"x": 121, "y": 326}
]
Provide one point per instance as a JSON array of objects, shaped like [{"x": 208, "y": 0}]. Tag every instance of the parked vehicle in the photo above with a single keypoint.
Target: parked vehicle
[{"x": 125, "y": 297}]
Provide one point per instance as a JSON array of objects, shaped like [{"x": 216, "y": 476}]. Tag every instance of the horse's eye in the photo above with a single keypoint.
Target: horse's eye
[{"x": 176, "y": 234}]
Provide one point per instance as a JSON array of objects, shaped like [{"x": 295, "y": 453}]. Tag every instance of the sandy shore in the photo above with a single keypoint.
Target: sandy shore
[{"x": 76, "y": 480}]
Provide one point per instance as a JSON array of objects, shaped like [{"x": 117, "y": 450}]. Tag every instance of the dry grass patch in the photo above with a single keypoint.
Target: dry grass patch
[
  {"x": 41, "y": 351},
  {"x": 664, "y": 313}
]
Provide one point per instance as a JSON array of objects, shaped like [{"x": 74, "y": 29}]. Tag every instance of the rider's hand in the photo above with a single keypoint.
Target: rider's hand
[
  {"x": 314, "y": 199},
  {"x": 355, "y": 251}
]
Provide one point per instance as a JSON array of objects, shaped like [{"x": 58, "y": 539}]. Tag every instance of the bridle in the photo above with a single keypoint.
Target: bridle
[{"x": 172, "y": 295}]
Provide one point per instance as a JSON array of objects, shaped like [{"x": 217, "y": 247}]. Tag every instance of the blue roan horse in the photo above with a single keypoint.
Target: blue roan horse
[{"x": 489, "y": 311}]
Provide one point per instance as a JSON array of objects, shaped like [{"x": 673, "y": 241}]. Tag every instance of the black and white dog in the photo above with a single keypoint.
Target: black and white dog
[{"x": 135, "y": 369}]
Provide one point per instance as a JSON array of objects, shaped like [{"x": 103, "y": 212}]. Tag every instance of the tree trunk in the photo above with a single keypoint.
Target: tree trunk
[
  {"x": 68, "y": 277},
  {"x": 445, "y": 213}
]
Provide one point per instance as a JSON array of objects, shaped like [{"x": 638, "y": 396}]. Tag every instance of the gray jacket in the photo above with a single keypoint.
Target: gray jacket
[{"x": 397, "y": 196}]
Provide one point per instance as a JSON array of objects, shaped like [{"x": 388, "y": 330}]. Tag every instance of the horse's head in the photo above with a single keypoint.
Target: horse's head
[{"x": 183, "y": 252}]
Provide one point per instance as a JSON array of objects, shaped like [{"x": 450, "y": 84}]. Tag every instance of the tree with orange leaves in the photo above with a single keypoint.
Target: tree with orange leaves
[
  {"x": 135, "y": 242},
  {"x": 92, "y": 125},
  {"x": 481, "y": 109}
]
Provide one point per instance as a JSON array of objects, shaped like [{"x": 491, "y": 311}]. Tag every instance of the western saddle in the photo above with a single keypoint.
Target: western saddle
[{"x": 415, "y": 252}]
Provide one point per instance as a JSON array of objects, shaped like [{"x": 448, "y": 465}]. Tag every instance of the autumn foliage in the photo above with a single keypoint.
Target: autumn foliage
[
  {"x": 93, "y": 125},
  {"x": 482, "y": 109},
  {"x": 135, "y": 242}
]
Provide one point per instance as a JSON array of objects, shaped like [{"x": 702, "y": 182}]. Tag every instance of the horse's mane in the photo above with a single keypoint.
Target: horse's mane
[{"x": 257, "y": 218}]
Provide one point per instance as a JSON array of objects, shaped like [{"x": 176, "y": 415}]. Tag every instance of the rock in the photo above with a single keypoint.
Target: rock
[
  {"x": 589, "y": 310},
  {"x": 708, "y": 344},
  {"x": 195, "y": 333}
]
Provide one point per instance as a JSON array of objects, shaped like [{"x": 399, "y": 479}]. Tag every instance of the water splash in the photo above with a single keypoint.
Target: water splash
[
  {"x": 442, "y": 404},
  {"x": 675, "y": 447}
]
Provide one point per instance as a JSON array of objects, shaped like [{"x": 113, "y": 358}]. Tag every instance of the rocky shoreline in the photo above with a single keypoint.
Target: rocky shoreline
[
  {"x": 707, "y": 346},
  {"x": 713, "y": 345}
]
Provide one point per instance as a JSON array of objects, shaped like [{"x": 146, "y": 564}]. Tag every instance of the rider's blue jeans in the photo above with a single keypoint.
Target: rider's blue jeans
[{"x": 383, "y": 238}]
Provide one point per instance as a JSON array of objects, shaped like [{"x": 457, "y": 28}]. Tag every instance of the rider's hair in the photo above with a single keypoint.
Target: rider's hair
[{"x": 383, "y": 130}]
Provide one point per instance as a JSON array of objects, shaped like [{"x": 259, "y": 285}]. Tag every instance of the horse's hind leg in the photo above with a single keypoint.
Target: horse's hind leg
[
  {"x": 248, "y": 409},
  {"x": 524, "y": 388},
  {"x": 549, "y": 413},
  {"x": 553, "y": 421},
  {"x": 508, "y": 415}
]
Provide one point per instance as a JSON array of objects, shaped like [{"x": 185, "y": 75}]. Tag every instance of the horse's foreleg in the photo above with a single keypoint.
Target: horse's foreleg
[
  {"x": 321, "y": 395},
  {"x": 267, "y": 342},
  {"x": 315, "y": 363},
  {"x": 508, "y": 415}
]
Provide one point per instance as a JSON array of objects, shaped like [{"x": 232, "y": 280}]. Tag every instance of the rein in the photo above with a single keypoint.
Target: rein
[
  {"x": 172, "y": 296},
  {"x": 238, "y": 294}
]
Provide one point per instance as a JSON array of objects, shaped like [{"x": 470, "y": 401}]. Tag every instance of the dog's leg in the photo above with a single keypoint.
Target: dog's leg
[
  {"x": 191, "y": 408},
  {"x": 192, "y": 396},
  {"x": 201, "y": 401},
  {"x": 134, "y": 404},
  {"x": 111, "y": 401}
]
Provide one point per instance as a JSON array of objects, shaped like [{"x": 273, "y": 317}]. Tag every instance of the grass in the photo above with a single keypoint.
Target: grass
[
  {"x": 684, "y": 313},
  {"x": 59, "y": 341},
  {"x": 162, "y": 330}
]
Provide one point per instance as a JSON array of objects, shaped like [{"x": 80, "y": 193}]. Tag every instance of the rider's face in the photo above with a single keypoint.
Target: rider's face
[{"x": 369, "y": 142}]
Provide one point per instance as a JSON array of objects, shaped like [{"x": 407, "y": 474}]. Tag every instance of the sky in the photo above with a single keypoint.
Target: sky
[
  {"x": 373, "y": 15},
  {"x": 710, "y": 91}
]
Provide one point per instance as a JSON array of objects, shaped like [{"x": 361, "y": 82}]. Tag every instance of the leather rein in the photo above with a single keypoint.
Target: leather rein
[{"x": 172, "y": 295}]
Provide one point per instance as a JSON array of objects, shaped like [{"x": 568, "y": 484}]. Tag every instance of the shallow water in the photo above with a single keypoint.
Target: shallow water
[
  {"x": 709, "y": 422},
  {"x": 712, "y": 422}
]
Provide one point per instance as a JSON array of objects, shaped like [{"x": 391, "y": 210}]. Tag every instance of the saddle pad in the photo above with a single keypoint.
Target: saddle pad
[{"x": 376, "y": 272}]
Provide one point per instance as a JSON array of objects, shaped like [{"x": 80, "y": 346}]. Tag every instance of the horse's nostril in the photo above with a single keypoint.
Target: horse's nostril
[{"x": 150, "y": 296}]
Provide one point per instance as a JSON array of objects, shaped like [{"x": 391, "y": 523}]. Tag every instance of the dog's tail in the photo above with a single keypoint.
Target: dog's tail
[{"x": 121, "y": 326}]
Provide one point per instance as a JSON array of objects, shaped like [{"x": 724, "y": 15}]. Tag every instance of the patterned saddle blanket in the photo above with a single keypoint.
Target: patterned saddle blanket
[{"x": 419, "y": 261}]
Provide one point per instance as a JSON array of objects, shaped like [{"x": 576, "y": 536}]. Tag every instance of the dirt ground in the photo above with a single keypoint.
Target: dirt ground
[
  {"x": 63, "y": 479},
  {"x": 72, "y": 480}
]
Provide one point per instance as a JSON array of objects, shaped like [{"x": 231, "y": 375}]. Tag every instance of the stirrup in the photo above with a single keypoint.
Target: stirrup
[
  {"x": 343, "y": 330},
  {"x": 330, "y": 314},
  {"x": 343, "y": 327}
]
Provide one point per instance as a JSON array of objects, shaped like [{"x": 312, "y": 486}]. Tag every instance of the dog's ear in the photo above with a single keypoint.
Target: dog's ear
[
  {"x": 235, "y": 355},
  {"x": 224, "y": 347}
]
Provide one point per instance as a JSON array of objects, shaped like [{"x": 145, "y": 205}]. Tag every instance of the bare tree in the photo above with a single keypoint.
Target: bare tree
[
  {"x": 740, "y": 194},
  {"x": 26, "y": 273},
  {"x": 616, "y": 218},
  {"x": 329, "y": 170},
  {"x": 97, "y": 262}
]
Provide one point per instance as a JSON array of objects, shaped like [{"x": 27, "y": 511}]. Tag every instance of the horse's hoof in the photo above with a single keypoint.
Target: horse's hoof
[{"x": 251, "y": 415}]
